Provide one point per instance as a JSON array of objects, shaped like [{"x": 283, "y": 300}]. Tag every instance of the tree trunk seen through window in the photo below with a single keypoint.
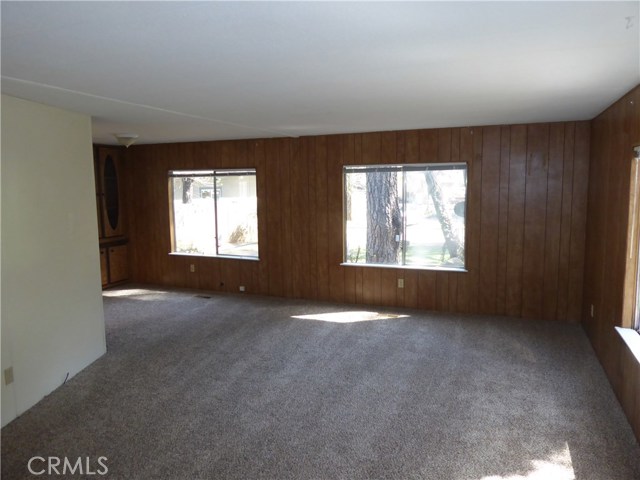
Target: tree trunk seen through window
[
  {"x": 348, "y": 187},
  {"x": 451, "y": 241},
  {"x": 186, "y": 189},
  {"x": 384, "y": 222}
]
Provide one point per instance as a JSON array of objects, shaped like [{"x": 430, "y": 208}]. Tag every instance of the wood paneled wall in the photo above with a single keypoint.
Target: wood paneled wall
[
  {"x": 526, "y": 216},
  {"x": 614, "y": 133}
]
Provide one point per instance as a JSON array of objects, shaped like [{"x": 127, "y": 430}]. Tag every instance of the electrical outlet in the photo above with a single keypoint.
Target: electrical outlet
[
  {"x": 192, "y": 268},
  {"x": 241, "y": 288},
  {"x": 8, "y": 375},
  {"x": 401, "y": 283}
]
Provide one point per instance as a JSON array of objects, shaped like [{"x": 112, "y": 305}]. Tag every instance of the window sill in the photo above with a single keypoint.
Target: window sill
[
  {"x": 632, "y": 339},
  {"x": 228, "y": 257},
  {"x": 405, "y": 267}
]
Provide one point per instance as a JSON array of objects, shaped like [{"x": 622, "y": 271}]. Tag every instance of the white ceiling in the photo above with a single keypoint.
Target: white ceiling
[{"x": 185, "y": 71}]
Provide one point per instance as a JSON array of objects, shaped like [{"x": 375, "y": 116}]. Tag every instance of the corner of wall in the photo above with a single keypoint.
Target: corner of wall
[{"x": 52, "y": 314}]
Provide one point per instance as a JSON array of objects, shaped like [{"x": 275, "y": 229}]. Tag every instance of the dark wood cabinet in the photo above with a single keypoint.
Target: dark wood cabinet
[
  {"x": 114, "y": 259},
  {"x": 104, "y": 267},
  {"x": 114, "y": 263}
]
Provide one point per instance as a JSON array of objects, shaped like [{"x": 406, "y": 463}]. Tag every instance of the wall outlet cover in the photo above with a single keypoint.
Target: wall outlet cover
[{"x": 8, "y": 375}]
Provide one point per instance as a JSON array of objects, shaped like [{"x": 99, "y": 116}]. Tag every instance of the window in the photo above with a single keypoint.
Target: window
[
  {"x": 214, "y": 212},
  {"x": 405, "y": 215},
  {"x": 633, "y": 259}
]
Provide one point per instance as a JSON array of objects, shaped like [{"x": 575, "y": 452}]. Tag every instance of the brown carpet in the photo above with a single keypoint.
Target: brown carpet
[{"x": 233, "y": 386}]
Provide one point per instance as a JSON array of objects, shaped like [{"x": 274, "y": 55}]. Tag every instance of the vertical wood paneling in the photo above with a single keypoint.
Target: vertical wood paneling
[
  {"x": 325, "y": 280},
  {"x": 410, "y": 289},
  {"x": 371, "y": 286},
  {"x": 597, "y": 236},
  {"x": 358, "y": 274},
  {"x": 246, "y": 276},
  {"x": 426, "y": 290},
  {"x": 444, "y": 145},
  {"x": 611, "y": 137},
  {"x": 535, "y": 219},
  {"x": 286, "y": 234},
  {"x": 565, "y": 228},
  {"x": 209, "y": 273},
  {"x": 412, "y": 146},
  {"x": 262, "y": 270},
  {"x": 342, "y": 284},
  {"x": 428, "y": 149},
  {"x": 579, "y": 220},
  {"x": 160, "y": 223},
  {"x": 274, "y": 221},
  {"x": 515, "y": 229},
  {"x": 489, "y": 219},
  {"x": 312, "y": 217},
  {"x": 299, "y": 185},
  {"x": 230, "y": 274},
  {"x": 388, "y": 287},
  {"x": 299, "y": 240},
  {"x": 553, "y": 221},
  {"x": 474, "y": 215},
  {"x": 630, "y": 387},
  {"x": 388, "y": 147},
  {"x": 442, "y": 291},
  {"x": 349, "y": 294},
  {"x": 503, "y": 222}
]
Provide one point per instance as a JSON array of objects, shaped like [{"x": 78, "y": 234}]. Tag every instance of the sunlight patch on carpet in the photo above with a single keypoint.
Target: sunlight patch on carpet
[
  {"x": 349, "y": 317},
  {"x": 140, "y": 294},
  {"x": 557, "y": 467}
]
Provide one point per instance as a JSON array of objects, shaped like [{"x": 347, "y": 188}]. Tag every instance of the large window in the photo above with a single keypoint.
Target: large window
[
  {"x": 412, "y": 215},
  {"x": 214, "y": 212},
  {"x": 633, "y": 257}
]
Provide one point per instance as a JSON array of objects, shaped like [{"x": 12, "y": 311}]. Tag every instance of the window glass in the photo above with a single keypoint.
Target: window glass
[
  {"x": 237, "y": 215},
  {"x": 635, "y": 237},
  {"x": 410, "y": 215},
  {"x": 214, "y": 212}
]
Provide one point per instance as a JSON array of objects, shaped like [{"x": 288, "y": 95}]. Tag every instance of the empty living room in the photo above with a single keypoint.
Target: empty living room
[{"x": 320, "y": 240}]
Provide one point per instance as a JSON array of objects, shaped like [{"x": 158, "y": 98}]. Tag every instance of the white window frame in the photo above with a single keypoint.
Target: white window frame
[
  {"x": 216, "y": 173},
  {"x": 415, "y": 167}
]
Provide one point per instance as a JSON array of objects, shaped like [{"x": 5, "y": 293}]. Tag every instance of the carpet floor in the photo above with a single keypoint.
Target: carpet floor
[{"x": 215, "y": 386}]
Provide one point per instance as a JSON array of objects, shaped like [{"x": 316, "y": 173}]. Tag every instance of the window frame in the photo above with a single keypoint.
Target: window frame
[
  {"x": 214, "y": 173},
  {"x": 403, "y": 167},
  {"x": 631, "y": 303},
  {"x": 629, "y": 328}
]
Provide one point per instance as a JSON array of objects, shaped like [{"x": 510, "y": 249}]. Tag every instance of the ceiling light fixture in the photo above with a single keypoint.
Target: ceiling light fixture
[{"x": 126, "y": 139}]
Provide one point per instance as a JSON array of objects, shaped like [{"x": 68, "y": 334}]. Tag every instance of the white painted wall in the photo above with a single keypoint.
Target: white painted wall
[{"x": 52, "y": 315}]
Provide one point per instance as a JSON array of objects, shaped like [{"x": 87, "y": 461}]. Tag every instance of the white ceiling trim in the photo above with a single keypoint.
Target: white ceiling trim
[{"x": 147, "y": 107}]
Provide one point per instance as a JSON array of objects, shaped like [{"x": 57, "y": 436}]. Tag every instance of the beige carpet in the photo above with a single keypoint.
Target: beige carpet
[{"x": 239, "y": 386}]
